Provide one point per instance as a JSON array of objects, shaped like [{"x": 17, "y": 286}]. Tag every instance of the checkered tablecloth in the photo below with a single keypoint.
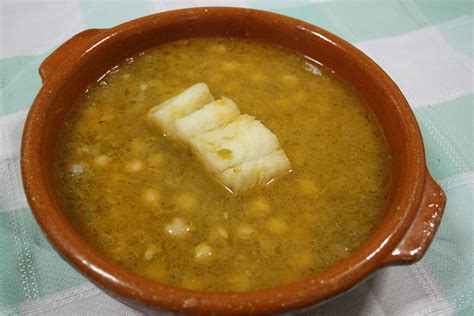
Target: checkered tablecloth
[{"x": 427, "y": 47}]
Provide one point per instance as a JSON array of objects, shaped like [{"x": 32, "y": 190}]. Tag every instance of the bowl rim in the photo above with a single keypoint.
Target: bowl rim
[{"x": 123, "y": 283}]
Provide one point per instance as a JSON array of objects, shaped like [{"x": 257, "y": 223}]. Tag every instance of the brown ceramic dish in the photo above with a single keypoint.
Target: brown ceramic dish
[{"x": 413, "y": 209}]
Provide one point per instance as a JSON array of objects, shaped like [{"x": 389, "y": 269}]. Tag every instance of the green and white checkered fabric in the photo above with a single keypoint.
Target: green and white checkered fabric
[{"x": 427, "y": 47}]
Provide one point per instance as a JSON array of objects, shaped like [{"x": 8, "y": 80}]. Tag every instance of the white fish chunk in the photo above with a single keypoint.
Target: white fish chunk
[
  {"x": 165, "y": 114},
  {"x": 237, "y": 149},
  {"x": 255, "y": 172},
  {"x": 212, "y": 116},
  {"x": 243, "y": 140}
]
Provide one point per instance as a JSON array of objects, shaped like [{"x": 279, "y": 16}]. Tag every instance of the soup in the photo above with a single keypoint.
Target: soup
[{"x": 144, "y": 201}]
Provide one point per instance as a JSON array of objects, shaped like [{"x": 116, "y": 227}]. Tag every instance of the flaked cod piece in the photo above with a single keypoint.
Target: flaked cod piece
[
  {"x": 210, "y": 117},
  {"x": 243, "y": 140},
  {"x": 254, "y": 172},
  {"x": 236, "y": 148},
  {"x": 185, "y": 103}
]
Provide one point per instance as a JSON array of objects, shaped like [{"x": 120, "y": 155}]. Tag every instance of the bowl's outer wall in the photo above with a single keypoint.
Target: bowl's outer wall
[{"x": 87, "y": 57}]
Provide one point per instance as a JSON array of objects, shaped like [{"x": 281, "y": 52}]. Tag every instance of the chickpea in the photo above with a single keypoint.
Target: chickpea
[
  {"x": 307, "y": 186},
  {"x": 177, "y": 228},
  {"x": 102, "y": 160},
  {"x": 138, "y": 146},
  {"x": 244, "y": 231},
  {"x": 143, "y": 86},
  {"x": 151, "y": 251},
  {"x": 239, "y": 283},
  {"x": 192, "y": 283},
  {"x": 259, "y": 207},
  {"x": 276, "y": 226},
  {"x": 150, "y": 196},
  {"x": 303, "y": 260},
  {"x": 155, "y": 160},
  {"x": 156, "y": 271},
  {"x": 77, "y": 169},
  {"x": 134, "y": 166},
  {"x": 289, "y": 79},
  {"x": 187, "y": 201},
  {"x": 203, "y": 252},
  {"x": 230, "y": 66}
]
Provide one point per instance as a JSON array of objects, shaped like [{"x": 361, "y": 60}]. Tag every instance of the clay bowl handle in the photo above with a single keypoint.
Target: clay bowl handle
[
  {"x": 56, "y": 57},
  {"x": 419, "y": 236}
]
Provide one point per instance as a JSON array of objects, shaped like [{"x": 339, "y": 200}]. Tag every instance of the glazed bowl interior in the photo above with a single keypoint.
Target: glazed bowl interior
[{"x": 110, "y": 47}]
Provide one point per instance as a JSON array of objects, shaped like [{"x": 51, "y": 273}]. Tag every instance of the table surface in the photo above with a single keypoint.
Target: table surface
[{"x": 427, "y": 47}]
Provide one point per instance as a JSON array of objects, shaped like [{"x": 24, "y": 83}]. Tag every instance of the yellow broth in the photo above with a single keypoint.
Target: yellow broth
[{"x": 123, "y": 184}]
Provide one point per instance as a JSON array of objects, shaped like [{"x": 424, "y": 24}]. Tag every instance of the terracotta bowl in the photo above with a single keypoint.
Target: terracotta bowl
[{"x": 412, "y": 211}]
